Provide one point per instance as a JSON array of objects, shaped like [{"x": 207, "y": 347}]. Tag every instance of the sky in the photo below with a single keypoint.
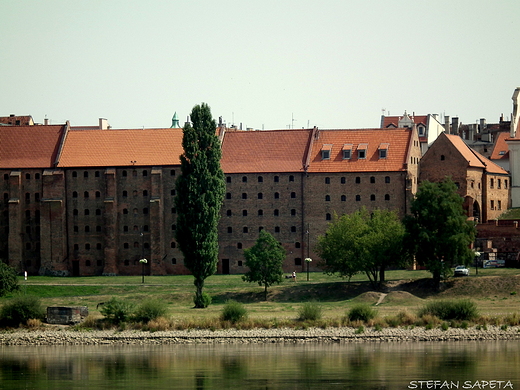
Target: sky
[{"x": 263, "y": 64}]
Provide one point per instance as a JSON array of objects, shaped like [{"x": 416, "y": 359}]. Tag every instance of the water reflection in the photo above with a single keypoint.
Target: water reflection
[{"x": 279, "y": 366}]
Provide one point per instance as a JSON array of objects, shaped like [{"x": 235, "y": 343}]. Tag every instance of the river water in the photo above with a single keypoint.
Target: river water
[{"x": 408, "y": 365}]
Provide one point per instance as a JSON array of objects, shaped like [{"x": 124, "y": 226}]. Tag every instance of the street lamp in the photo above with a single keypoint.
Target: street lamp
[
  {"x": 308, "y": 261},
  {"x": 143, "y": 263}
]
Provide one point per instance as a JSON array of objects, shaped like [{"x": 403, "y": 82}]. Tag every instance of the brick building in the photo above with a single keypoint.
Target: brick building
[
  {"x": 95, "y": 201},
  {"x": 484, "y": 185}
]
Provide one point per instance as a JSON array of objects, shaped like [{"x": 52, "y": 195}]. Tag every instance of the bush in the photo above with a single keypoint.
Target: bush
[
  {"x": 202, "y": 301},
  {"x": 20, "y": 309},
  {"x": 362, "y": 312},
  {"x": 117, "y": 311},
  {"x": 233, "y": 312},
  {"x": 310, "y": 311},
  {"x": 451, "y": 310},
  {"x": 8, "y": 279},
  {"x": 150, "y": 309}
]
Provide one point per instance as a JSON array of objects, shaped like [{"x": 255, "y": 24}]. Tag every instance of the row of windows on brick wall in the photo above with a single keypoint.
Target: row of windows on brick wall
[
  {"x": 358, "y": 198},
  {"x": 126, "y": 262},
  {"x": 27, "y": 197},
  {"x": 136, "y": 211},
  {"x": 146, "y": 245},
  {"x": 85, "y": 212},
  {"x": 260, "y": 213},
  {"x": 123, "y": 173},
  {"x": 246, "y": 229},
  {"x": 357, "y": 180},
  {"x": 88, "y": 247},
  {"x": 260, "y": 179},
  {"x": 86, "y": 194},
  {"x": 135, "y": 228},
  {"x": 297, "y": 245},
  {"x": 260, "y": 195},
  {"x": 87, "y": 229},
  {"x": 27, "y": 176},
  {"x": 125, "y": 193}
]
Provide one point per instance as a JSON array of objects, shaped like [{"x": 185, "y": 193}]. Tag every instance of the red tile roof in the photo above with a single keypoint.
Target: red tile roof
[
  {"x": 500, "y": 150},
  {"x": 394, "y": 120},
  {"x": 474, "y": 158},
  {"x": 398, "y": 141},
  {"x": 265, "y": 151},
  {"x": 29, "y": 146},
  {"x": 110, "y": 148}
]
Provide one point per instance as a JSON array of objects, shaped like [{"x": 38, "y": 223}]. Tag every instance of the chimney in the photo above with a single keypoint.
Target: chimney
[
  {"x": 455, "y": 125},
  {"x": 103, "y": 124},
  {"x": 46, "y": 121},
  {"x": 482, "y": 125},
  {"x": 447, "y": 124}
]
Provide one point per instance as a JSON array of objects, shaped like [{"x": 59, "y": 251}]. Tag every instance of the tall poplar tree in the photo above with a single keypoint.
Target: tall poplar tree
[
  {"x": 438, "y": 232},
  {"x": 200, "y": 192}
]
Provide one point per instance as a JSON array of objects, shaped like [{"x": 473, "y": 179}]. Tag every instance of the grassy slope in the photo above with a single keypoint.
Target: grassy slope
[{"x": 492, "y": 290}]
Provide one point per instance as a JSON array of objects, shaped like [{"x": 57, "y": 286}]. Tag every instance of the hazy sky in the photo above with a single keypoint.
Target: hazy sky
[{"x": 326, "y": 63}]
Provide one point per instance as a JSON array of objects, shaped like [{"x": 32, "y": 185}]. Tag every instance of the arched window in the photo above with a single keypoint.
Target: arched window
[
  {"x": 260, "y": 213},
  {"x": 343, "y": 198},
  {"x": 328, "y": 217},
  {"x": 75, "y": 194},
  {"x": 327, "y": 198},
  {"x": 372, "y": 197},
  {"x": 327, "y": 180},
  {"x": 387, "y": 196},
  {"x": 291, "y": 178},
  {"x": 229, "y": 213},
  {"x": 244, "y": 213},
  {"x": 85, "y": 194},
  {"x": 358, "y": 198},
  {"x": 260, "y": 179}
]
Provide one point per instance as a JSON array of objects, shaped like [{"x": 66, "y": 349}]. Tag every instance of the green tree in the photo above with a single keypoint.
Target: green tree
[
  {"x": 438, "y": 232},
  {"x": 363, "y": 241},
  {"x": 264, "y": 260},
  {"x": 200, "y": 192},
  {"x": 8, "y": 279}
]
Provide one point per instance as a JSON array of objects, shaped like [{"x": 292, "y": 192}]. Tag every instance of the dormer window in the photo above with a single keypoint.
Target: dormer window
[
  {"x": 383, "y": 150},
  {"x": 325, "y": 151},
  {"x": 362, "y": 151},
  {"x": 422, "y": 131},
  {"x": 502, "y": 152},
  {"x": 347, "y": 151}
]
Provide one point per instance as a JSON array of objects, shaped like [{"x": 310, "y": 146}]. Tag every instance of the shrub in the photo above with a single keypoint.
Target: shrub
[
  {"x": 117, "y": 311},
  {"x": 310, "y": 311},
  {"x": 362, "y": 312},
  {"x": 150, "y": 309},
  {"x": 20, "y": 309},
  {"x": 233, "y": 312},
  {"x": 203, "y": 301},
  {"x": 8, "y": 279},
  {"x": 451, "y": 310}
]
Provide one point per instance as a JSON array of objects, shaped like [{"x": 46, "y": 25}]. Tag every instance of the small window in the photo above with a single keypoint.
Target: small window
[
  {"x": 382, "y": 153},
  {"x": 172, "y": 172},
  {"x": 244, "y": 179},
  {"x": 145, "y": 193},
  {"x": 326, "y": 151},
  {"x": 293, "y": 195},
  {"x": 172, "y": 192},
  {"x": 228, "y": 195},
  {"x": 87, "y": 229},
  {"x": 174, "y": 260},
  {"x": 291, "y": 178},
  {"x": 230, "y": 229},
  {"x": 239, "y": 263},
  {"x": 260, "y": 179},
  {"x": 293, "y": 229},
  {"x": 28, "y": 176},
  {"x": 87, "y": 248},
  {"x": 387, "y": 196},
  {"x": 372, "y": 197},
  {"x": 358, "y": 180},
  {"x": 228, "y": 179},
  {"x": 75, "y": 212},
  {"x": 372, "y": 179},
  {"x": 443, "y": 157},
  {"x": 85, "y": 174},
  {"x": 98, "y": 194},
  {"x": 277, "y": 229},
  {"x": 276, "y": 212},
  {"x": 347, "y": 154},
  {"x": 125, "y": 228},
  {"x": 124, "y": 173},
  {"x": 260, "y": 212},
  {"x": 362, "y": 153},
  {"x": 125, "y": 211},
  {"x": 86, "y": 194},
  {"x": 358, "y": 198},
  {"x": 74, "y": 174},
  {"x": 125, "y": 194},
  {"x": 87, "y": 212},
  {"x": 327, "y": 180},
  {"x": 260, "y": 195},
  {"x": 145, "y": 211},
  {"x": 343, "y": 180},
  {"x": 277, "y": 195},
  {"x": 328, "y": 217},
  {"x": 239, "y": 245},
  {"x": 327, "y": 198},
  {"x": 276, "y": 179},
  {"x": 343, "y": 198},
  {"x": 126, "y": 245},
  {"x": 387, "y": 179},
  {"x": 244, "y": 213},
  {"x": 229, "y": 213},
  {"x": 145, "y": 173},
  {"x": 98, "y": 211},
  {"x": 96, "y": 174},
  {"x": 297, "y": 261},
  {"x": 293, "y": 212},
  {"x": 245, "y": 229},
  {"x": 244, "y": 195},
  {"x": 297, "y": 245}
]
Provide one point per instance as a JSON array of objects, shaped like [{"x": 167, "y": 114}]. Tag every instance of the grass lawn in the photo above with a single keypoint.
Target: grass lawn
[{"x": 494, "y": 291}]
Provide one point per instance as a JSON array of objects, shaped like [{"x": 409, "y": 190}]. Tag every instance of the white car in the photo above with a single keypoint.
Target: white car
[{"x": 461, "y": 271}]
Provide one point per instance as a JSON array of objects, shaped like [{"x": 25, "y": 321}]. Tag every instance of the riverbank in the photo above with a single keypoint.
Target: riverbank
[{"x": 253, "y": 336}]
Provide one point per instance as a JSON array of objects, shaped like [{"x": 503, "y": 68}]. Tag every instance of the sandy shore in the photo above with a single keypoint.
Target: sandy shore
[{"x": 253, "y": 336}]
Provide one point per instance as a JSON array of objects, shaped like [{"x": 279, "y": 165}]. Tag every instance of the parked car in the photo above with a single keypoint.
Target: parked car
[{"x": 461, "y": 271}]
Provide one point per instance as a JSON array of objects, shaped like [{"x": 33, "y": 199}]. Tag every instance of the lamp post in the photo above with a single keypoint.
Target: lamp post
[
  {"x": 308, "y": 261},
  {"x": 143, "y": 263},
  {"x": 477, "y": 256}
]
